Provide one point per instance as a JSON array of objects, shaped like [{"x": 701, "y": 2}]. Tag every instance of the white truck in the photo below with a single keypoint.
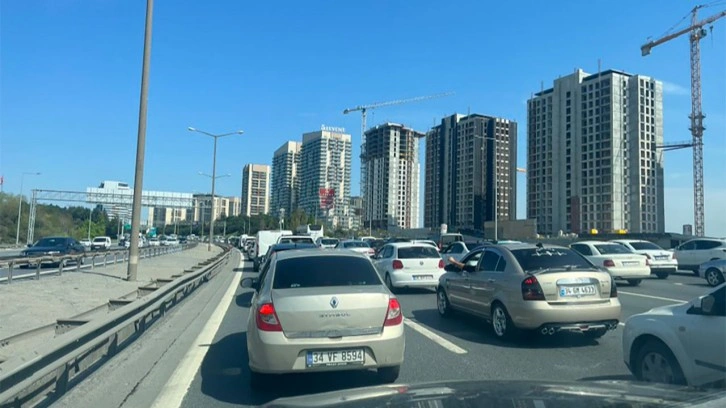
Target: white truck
[{"x": 262, "y": 244}]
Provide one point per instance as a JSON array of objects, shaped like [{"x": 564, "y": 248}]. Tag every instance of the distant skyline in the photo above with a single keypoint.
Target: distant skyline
[{"x": 70, "y": 79}]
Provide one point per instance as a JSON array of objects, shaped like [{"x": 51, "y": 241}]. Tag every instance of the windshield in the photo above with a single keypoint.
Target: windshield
[
  {"x": 532, "y": 259},
  {"x": 51, "y": 242},
  {"x": 418, "y": 252},
  {"x": 612, "y": 249},
  {"x": 355, "y": 244},
  {"x": 314, "y": 271},
  {"x": 643, "y": 245}
]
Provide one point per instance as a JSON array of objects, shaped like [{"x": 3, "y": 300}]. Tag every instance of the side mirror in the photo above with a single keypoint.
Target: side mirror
[
  {"x": 452, "y": 268},
  {"x": 249, "y": 283},
  {"x": 707, "y": 303}
]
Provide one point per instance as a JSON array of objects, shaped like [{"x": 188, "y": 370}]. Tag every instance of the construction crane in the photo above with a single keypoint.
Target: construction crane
[
  {"x": 363, "y": 112},
  {"x": 697, "y": 32}
]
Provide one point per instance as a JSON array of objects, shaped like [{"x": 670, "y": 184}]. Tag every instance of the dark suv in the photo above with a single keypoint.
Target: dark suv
[{"x": 53, "y": 246}]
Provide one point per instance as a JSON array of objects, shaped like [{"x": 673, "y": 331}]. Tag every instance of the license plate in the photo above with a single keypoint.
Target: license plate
[
  {"x": 661, "y": 257},
  {"x": 335, "y": 358},
  {"x": 577, "y": 290},
  {"x": 423, "y": 277},
  {"x": 631, "y": 263}
]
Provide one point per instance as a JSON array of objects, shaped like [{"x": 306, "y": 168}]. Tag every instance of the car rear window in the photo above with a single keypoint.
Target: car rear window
[
  {"x": 418, "y": 252},
  {"x": 322, "y": 271},
  {"x": 639, "y": 246},
  {"x": 99, "y": 240},
  {"x": 531, "y": 259},
  {"x": 609, "y": 249},
  {"x": 356, "y": 244},
  {"x": 295, "y": 240}
]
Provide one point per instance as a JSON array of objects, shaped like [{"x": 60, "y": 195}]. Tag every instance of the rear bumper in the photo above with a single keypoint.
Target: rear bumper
[
  {"x": 538, "y": 314},
  {"x": 630, "y": 273},
  {"x": 273, "y": 353}
]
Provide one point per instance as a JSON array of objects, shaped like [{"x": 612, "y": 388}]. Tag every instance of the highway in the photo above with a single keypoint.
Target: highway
[{"x": 196, "y": 357}]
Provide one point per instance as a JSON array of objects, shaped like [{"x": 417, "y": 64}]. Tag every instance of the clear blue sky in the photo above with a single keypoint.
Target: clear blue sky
[{"x": 71, "y": 78}]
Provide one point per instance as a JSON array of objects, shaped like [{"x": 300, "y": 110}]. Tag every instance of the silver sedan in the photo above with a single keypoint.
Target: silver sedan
[{"x": 321, "y": 311}]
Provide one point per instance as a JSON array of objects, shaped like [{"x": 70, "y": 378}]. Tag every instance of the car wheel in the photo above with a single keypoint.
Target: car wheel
[
  {"x": 714, "y": 277},
  {"x": 389, "y": 284},
  {"x": 634, "y": 282},
  {"x": 662, "y": 275},
  {"x": 596, "y": 333},
  {"x": 442, "y": 303},
  {"x": 501, "y": 322},
  {"x": 656, "y": 363},
  {"x": 388, "y": 374}
]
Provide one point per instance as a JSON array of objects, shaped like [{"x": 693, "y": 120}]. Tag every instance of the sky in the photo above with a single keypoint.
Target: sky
[{"x": 70, "y": 74}]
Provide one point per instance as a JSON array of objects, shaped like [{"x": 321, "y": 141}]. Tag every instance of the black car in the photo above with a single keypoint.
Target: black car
[
  {"x": 53, "y": 246},
  {"x": 260, "y": 261}
]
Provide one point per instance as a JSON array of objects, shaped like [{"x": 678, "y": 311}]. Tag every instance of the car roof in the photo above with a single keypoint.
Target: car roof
[
  {"x": 292, "y": 245},
  {"x": 304, "y": 253},
  {"x": 352, "y": 240},
  {"x": 295, "y": 236},
  {"x": 524, "y": 245},
  {"x": 708, "y": 239},
  {"x": 592, "y": 242}
]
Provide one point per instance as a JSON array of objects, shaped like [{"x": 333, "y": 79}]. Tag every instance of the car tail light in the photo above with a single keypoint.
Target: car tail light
[
  {"x": 608, "y": 263},
  {"x": 531, "y": 289},
  {"x": 267, "y": 318},
  {"x": 441, "y": 264},
  {"x": 613, "y": 289},
  {"x": 647, "y": 261},
  {"x": 397, "y": 264},
  {"x": 393, "y": 315},
  {"x": 673, "y": 255}
]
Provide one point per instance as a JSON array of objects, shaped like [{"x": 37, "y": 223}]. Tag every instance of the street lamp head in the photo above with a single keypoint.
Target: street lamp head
[
  {"x": 239, "y": 132},
  {"x": 191, "y": 129}
]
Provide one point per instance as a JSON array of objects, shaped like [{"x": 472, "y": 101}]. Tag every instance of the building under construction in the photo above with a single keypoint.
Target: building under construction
[{"x": 391, "y": 171}]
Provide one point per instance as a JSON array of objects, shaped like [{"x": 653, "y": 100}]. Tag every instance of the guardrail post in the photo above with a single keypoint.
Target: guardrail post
[
  {"x": 79, "y": 260},
  {"x": 37, "y": 269},
  {"x": 60, "y": 266},
  {"x": 10, "y": 272},
  {"x": 93, "y": 261},
  {"x": 115, "y": 258}
]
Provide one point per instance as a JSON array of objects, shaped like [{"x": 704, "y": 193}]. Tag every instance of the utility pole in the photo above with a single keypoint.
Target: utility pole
[{"x": 140, "y": 149}]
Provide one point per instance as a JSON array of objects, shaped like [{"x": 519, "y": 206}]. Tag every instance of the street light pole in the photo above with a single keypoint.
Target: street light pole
[
  {"x": 20, "y": 203},
  {"x": 214, "y": 175},
  {"x": 90, "y": 217}
]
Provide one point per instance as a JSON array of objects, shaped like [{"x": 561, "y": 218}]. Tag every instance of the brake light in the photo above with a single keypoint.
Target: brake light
[
  {"x": 267, "y": 318},
  {"x": 673, "y": 255},
  {"x": 613, "y": 289},
  {"x": 608, "y": 263},
  {"x": 393, "y": 315},
  {"x": 531, "y": 289},
  {"x": 397, "y": 264}
]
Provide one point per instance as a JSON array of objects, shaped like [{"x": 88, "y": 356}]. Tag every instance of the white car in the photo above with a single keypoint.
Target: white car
[
  {"x": 86, "y": 243},
  {"x": 662, "y": 263},
  {"x": 619, "y": 261},
  {"x": 327, "y": 243},
  {"x": 691, "y": 254},
  {"x": 172, "y": 241},
  {"x": 458, "y": 250},
  {"x": 405, "y": 264},
  {"x": 356, "y": 246},
  {"x": 679, "y": 344},
  {"x": 154, "y": 241},
  {"x": 101, "y": 243}
]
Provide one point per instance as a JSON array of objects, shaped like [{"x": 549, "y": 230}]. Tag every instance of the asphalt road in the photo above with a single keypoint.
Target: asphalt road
[{"x": 181, "y": 362}]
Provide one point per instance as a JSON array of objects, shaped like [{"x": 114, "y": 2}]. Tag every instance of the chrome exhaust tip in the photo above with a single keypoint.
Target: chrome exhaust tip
[
  {"x": 544, "y": 330},
  {"x": 551, "y": 331}
]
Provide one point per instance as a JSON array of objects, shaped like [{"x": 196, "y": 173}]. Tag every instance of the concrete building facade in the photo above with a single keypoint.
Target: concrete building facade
[
  {"x": 464, "y": 154},
  {"x": 592, "y": 162},
  {"x": 391, "y": 170},
  {"x": 284, "y": 181},
  {"x": 324, "y": 169},
  {"x": 255, "y": 189}
]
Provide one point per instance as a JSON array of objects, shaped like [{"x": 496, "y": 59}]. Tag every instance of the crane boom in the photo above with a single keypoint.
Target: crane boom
[{"x": 697, "y": 32}]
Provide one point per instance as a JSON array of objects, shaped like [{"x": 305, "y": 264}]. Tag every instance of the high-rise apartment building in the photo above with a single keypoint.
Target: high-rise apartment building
[
  {"x": 284, "y": 181},
  {"x": 324, "y": 173},
  {"x": 255, "y": 189},
  {"x": 592, "y": 161},
  {"x": 391, "y": 171},
  {"x": 464, "y": 154},
  {"x": 202, "y": 208}
]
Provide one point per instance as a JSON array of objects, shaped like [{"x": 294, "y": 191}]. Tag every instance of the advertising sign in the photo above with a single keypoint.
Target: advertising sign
[{"x": 327, "y": 198}]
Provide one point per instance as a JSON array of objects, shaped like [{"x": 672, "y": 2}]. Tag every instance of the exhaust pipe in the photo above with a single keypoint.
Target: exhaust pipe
[
  {"x": 544, "y": 331},
  {"x": 551, "y": 331}
]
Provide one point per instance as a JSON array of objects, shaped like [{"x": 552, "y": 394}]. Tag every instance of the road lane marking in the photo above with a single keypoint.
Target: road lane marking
[
  {"x": 434, "y": 337},
  {"x": 174, "y": 391},
  {"x": 653, "y": 297}
]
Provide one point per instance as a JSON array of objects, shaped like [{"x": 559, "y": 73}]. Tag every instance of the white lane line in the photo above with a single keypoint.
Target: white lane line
[
  {"x": 434, "y": 337},
  {"x": 678, "y": 284},
  {"x": 174, "y": 391},
  {"x": 621, "y": 324},
  {"x": 652, "y": 297}
]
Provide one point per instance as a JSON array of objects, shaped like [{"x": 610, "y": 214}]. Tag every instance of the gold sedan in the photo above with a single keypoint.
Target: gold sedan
[{"x": 524, "y": 287}]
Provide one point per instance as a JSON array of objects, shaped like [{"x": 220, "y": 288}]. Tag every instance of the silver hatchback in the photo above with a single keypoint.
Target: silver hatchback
[{"x": 321, "y": 311}]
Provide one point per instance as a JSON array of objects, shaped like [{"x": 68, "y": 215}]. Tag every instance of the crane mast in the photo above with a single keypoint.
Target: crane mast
[{"x": 696, "y": 33}]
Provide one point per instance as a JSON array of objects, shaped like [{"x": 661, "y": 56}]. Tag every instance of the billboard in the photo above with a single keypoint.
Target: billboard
[{"x": 327, "y": 198}]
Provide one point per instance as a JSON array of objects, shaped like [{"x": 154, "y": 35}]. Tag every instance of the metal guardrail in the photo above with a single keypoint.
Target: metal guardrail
[
  {"x": 119, "y": 255},
  {"x": 58, "y": 366}
]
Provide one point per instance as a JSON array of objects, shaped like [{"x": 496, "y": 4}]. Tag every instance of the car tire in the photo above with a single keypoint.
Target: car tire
[
  {"x": 662, "y": 275},
  {"x": 389, "y": 284},
  {"x": 634, "y": 282},
  {"x": 502, "y": 324},
  {"x": 656, "y": 354},
  {"x": 442, "y": 303},
  {"x": 714, "y": 277},
  {"x": 388, "y": 375},
  {"x": 595, "y": 334}
]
